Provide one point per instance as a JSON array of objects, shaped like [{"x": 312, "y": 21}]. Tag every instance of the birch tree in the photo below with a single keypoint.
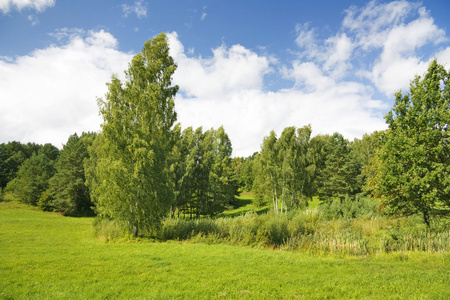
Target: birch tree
[{"x": 129, "y": 172}]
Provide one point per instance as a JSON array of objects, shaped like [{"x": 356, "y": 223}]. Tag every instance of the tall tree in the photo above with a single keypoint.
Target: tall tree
[
  {"x": 130, "y": 180},
  {"x": 285, "y": 169},
  {"x": 69, "y": 193},
  {"x": 243, "y": 169},
  {"x": 222, "y": 185},
  {"x": 415, "y": 159},
  {"x": 341, "y": 174},
  {"x": 287, "y": 156},
  {"x": 204, "y": 182},
  {"x": 367, "y": 150},
  {"x": 270, "y": 169}
]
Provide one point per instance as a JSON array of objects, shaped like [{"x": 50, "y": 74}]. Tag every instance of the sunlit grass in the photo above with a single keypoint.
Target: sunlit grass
[{"x": 44, "y": 255}]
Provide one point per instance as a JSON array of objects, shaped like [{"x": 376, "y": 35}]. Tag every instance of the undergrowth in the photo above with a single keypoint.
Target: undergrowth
[{"x": 320, "y": 230}]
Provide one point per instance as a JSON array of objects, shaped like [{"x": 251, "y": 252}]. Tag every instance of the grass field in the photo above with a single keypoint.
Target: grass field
[{"x": 47, "y": 256}]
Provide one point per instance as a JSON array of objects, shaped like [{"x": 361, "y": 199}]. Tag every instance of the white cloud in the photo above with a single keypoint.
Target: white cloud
[
  {"x": 332, "y": 54},
  {"x": 306, "y": 40},
  {"x": 444, "y": 56},
  {"x": 396, "y": 31},
  {"x": 39, "y": 5},
  {"x": 227, "y": 89},
  {"x": 51, "y": 93},
  {"x": 336, "y": 80},
  {"x": 308, "y": 75},
  {"x": 339, "y": 51},
  {"x": 139, "y": 8},
  {"x": 33, "y": 19},
  {"x": 203, "y": 13},
  {"x": 228, "y": 70},
  {"x": 372, "y": 22},
  {"x": 378, "y": 42}
]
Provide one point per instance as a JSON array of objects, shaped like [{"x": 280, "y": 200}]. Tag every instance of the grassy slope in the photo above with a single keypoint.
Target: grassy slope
[{"x": 44, "y": 255}]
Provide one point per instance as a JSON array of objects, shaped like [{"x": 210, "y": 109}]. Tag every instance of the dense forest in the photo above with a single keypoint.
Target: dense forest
[{"x": 143, "y": 168}]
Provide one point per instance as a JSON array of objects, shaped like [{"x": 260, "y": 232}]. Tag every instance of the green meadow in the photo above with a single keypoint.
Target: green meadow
[{"x": 47, "y": 256}]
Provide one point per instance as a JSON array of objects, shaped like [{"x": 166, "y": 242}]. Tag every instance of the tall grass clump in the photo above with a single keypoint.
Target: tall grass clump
[
  {"x": 352, "y": 207},
  {"x": 182, "y": 229},
  {"x": 351, "y": 228},
  {"x": 108, "y": 230},
  {"x": 325, "y": 229},
  {"x": 252, "y": 229}
]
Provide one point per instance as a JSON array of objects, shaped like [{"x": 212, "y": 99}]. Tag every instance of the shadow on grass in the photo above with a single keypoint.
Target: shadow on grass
[
  {"x": 242, "y": 202},
  {"x": 259, "y": 211}
]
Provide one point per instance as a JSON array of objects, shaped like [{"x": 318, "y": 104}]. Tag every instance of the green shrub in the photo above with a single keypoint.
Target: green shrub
[{"x": 352, "y": 207}]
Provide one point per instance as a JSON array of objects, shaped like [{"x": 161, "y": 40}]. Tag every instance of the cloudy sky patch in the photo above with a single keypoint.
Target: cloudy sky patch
[{"x": 336, "y": 70}]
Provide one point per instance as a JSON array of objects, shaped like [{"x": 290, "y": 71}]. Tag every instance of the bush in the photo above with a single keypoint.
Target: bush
[{"x": 352, "y": 207}]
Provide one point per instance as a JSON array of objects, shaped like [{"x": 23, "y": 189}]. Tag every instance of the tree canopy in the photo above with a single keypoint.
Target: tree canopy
[
  {"x": 129, "y": 179},
  {"x": 415, "y": 158},
  {"x": 33, "y": 175},
  {"x": 68, "y": 193}
]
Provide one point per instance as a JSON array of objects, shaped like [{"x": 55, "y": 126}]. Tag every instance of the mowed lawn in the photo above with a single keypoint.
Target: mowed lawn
[{"x": 46, "y": 256}]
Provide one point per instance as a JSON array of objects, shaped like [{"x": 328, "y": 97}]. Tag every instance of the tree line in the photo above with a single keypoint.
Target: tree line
[{"x": 142, "y": 167}]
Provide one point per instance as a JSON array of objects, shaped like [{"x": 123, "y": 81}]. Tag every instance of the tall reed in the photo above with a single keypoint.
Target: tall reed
[{"x": 307, "y": 231}]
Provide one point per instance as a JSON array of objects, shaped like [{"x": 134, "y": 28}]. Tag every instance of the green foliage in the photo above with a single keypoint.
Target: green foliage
[
  {"x": 33, "y": 176},
  {"x": 415, "y": 165},
  {"x": 69, "y": 194},
  {"x": 243, "y": 168},
  {"x": 285, "y": 169},
  {"x": 12, "y": 156},
  {"x": 356, "y": 207},
  {"x": 128, "y": 172},
  {"x": 181, "y": 229},
  {"x": 340, "y": 176},
  {"x": 203, "y": 175}
]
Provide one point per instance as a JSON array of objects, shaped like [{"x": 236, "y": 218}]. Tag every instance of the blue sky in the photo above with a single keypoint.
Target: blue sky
[{"x": 251, "y": 66}]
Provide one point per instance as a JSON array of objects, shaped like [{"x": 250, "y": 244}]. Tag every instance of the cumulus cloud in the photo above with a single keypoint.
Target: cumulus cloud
[
  {"x": 139, "y": 8},
  {"x": 39, "y": 5},
  {"x": 228, "y": 70},
  {"x": 343, "y": 82},
  {"x": 227, "y": 90},
  {"x": 332, "y": 53},
  {"x": 337, "y": 79},
  {"x": 51, "y": 93},
  {"x": 396, "y": 31}
]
